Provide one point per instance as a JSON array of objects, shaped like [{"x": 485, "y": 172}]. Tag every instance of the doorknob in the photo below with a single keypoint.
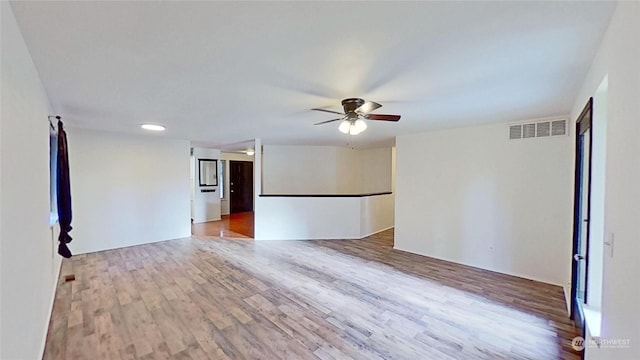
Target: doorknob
[{"x": 578, "y": 257}]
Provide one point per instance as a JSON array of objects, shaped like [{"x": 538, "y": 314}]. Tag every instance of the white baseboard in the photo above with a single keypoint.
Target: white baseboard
[{"x": 206, "y": 220}]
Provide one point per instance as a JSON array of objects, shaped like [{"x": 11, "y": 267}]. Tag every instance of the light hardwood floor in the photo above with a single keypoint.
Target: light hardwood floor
[
  {"x": 211, "y": 298},
  {"x": 238, "y": 225}
]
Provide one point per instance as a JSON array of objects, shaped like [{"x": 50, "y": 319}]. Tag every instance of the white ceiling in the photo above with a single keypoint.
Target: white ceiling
[{"x": 224, "y": 72}]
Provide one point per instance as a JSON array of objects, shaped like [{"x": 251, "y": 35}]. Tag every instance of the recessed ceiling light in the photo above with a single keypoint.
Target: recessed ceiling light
[{"x": 153, "y": 127}]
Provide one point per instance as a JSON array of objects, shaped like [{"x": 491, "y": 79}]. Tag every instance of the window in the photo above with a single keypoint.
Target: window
[
  {"x": 53, "y": 176},
  {"x": 222, "y": 167}
]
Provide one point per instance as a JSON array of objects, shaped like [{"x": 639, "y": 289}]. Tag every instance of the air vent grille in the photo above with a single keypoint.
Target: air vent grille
[
  {"x": 515, "y": 132},
  {"x": 559, "y": 127},
  {"x": 528, "y": 131},
  {"x": 543, "y": 129},
  {"x": 538, "y": 129}
]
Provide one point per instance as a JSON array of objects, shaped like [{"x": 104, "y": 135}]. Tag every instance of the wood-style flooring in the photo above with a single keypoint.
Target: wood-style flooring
[
  {"x": 211, "y": 298},
  {"x": 237, "y": 225}
]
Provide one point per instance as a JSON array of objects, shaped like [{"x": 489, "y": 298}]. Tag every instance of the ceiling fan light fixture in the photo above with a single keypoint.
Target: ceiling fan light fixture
[
  {"x": 360, "y": 125},
  {"x": 355, "y": 111},
  {"x": 352, "y": 126},
  {"x": 345, "y": 126}
]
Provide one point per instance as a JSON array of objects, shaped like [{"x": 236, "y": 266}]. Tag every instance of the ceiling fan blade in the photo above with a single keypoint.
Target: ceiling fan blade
[
  {"x": 328, "y": 121},
  {"x": 382, "y": 117},
  {"x": 329, "y": 111},
  {"x": 368, "y": 107}
]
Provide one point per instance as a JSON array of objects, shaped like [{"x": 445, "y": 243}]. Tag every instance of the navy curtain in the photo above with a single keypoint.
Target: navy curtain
[{"x": 64, "y": 193}]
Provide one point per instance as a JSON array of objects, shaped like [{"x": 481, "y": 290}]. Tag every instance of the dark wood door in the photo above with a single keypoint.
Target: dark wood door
[
  {"x": 582, "y": 209},
  {"x": 240, "y": 186}
]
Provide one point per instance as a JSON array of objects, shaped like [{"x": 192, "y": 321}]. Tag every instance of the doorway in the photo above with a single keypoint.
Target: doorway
[
  {"x": 235, "y": 190},
  {"x": 240, "y": 186},
  {"x": 233, "y": 226},
  {"x": 582, "y": 211}
]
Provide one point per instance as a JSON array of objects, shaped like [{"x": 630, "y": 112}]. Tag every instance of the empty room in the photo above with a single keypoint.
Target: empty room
[{"x": 320, "y": 180}]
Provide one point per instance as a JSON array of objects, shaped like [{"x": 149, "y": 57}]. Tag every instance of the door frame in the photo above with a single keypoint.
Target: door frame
[{"x": 583, "y": 123}]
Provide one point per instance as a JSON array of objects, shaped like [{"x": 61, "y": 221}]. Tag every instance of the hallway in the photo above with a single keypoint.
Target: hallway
[{"x": 238, "y": 225}]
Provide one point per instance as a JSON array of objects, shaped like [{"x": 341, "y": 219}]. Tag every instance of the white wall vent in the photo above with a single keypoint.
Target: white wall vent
[
  {"x": 515, "y": 132},
  {"x": 538, "y": 129},
  {"x": 543, "y": 129},
  {"x": 558, "y": 127},
  {"x": 528, "y": 131}
]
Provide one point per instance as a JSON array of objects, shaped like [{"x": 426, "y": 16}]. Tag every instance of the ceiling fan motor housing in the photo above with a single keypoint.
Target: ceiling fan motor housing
[{"x": 350, "y": 105}]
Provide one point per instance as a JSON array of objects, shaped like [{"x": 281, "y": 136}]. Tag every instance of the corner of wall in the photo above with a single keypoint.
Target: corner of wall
[
  {"x": 28, "y": 244},
  {"x": 482, "y": 218},
  {"x": 57, "y": 268},
  {"x": 566, "y": 290}
]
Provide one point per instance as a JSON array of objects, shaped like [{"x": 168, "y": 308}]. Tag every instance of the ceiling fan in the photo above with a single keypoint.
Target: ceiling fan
[{"x": 355, "y": 110}]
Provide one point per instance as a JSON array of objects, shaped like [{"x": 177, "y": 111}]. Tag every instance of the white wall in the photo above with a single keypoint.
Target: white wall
[
  {"x": 299, "y": 169},
  {"x": 307, "y": 218},
  {"x": 376, "y": 214},
  {"x": 474, "y": 197},
  {"x": 376, "y": 170},
  {"x": 348, "y": 170},
  {"x": 229, "y": 157},
  {"x": 127, "y": 190},
  {"x": 325, "y": 170},
  {"x": 206, "y": 205},
  {"x": 28, "y": 253},
  {"x": 618, "y": 58},
  {"x": 596, "y": 216},
  {"x": 393, "y": 169}
]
